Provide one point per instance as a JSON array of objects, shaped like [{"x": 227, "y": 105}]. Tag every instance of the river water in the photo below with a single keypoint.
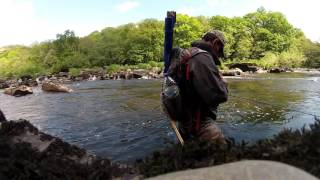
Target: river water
[{"x": 123, "y": 120}]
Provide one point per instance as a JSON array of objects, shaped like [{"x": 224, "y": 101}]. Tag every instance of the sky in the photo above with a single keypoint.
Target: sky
[{"x": 31, "y": 21}]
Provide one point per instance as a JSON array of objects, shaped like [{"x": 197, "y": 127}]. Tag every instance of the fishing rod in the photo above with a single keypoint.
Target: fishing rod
[{"x": 170, "y": 21}]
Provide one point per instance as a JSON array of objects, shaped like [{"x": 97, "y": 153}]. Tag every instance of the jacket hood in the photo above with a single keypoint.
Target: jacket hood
[{"x": 204, "y": 46}]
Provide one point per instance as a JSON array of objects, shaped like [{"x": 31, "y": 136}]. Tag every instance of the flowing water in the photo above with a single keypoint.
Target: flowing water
[{"x": 123, "y": 119}]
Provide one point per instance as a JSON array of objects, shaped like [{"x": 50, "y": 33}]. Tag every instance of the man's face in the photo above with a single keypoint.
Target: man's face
[{"x": 218, "y": 47}]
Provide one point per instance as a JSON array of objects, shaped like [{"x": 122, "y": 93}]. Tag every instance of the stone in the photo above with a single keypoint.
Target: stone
[
  {"x": 262, "y": 170},
  {"x": 18, "y": 91},
  {"x": 276, "y": 70},
  {"x": 231, "y": 72},
  {"x": 29, "y": 82},
  {"x": 63, "y": 74},
  {"x": 260, "y": 71},
  {"x": 245, "y": 67},
  {"x": 4, "y": 84},
  {"x": 26, "y": 77},
  {"x": 136, "y": 75},
  {"x": 55, "y": 87},
  {"x": 28, "y": 153}
]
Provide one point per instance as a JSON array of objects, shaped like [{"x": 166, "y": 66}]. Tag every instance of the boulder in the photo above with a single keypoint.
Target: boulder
[
  {"x": 136, "y": 75},
  {"x": 29, "y": 82},
  {"x": 26, "y": 77},
  {"x": 4, "y": 84},
  {"x": 84, "y": 75},
  {"x": 245, "y": 67},
  {"x": 55, "y": 87},
  {"x": 276, "y": 70},
  {"x": 28, "y": 153},
  {"x": 264, "y": 170},
  {"x": 40, "y": 79},
  {"x": 63, "y": 74},
  {"x": 155, "y": 70},
  {"x": 231, "y": 72},
  {"x": 18, "y": 91},
  {"x": 260, "y": 70}
]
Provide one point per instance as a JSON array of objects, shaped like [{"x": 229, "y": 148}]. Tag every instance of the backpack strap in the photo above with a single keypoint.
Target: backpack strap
[{"x": 186, "y": 55}]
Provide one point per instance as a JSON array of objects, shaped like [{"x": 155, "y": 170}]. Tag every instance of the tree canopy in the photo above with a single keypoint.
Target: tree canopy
[{"x": 263, "y": 36}]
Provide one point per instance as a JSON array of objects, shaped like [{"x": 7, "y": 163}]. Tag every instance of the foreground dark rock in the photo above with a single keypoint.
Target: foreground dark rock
[
  {"x": 18, "y": 91},
  {"x": 299, "y": 148},
  {"x": 2, "y": 117},
  {"x": 27, "y": 153}
]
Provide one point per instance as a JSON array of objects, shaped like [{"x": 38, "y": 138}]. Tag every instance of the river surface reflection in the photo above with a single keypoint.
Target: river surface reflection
[{"x": 123, "y": 120}]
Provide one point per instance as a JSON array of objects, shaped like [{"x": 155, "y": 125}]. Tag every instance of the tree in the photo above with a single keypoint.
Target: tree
[{"x": 187, "y": 29}]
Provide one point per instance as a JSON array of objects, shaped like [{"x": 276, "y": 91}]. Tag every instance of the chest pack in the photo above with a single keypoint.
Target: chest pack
[{"x": 178, "y": 73}]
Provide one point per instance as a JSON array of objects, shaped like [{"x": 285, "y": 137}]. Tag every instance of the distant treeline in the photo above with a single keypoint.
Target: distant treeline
[{"x": 263, "y": 37}]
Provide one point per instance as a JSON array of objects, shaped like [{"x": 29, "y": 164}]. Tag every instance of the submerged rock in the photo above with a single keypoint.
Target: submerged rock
[
  {"x": 27, "y": 153},
  {"x": 18, "y": 91},
  {"x": 55, "y": 87}
]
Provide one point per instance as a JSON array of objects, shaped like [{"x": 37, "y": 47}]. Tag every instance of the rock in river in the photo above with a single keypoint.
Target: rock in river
[
  {"x": 55, "y": 87},
  {"x": 18, "y": 91}
]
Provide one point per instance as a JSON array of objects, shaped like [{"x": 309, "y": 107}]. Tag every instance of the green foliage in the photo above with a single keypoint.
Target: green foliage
[
  {"x": 291, "y": 58},
  {"x": 264, "y": 37},
  {"x": 312, "y": 53},
  {"x": 144, "y": 66},
  {"x": 74, "y": 71},
  {"x": 187, "y": 29},
  {"x": 113, "y": 68}
]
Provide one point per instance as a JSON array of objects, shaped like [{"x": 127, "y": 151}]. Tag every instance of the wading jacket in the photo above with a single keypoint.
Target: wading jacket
[{"x": 205, "y": 89}]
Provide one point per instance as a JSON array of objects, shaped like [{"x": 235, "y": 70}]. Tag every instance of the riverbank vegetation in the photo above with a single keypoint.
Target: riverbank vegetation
[{"x": 263, "y": 37}]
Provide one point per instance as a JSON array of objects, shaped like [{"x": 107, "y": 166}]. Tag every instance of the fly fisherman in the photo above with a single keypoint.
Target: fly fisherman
[{"x": 204, "y": 89}]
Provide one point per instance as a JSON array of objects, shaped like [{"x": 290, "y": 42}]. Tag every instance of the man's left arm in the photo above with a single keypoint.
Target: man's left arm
[{"x": 207, "y": 81}]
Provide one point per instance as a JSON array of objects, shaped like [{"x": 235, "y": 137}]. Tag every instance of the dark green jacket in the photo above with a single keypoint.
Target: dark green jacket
[{"x": 205, "y": 89}]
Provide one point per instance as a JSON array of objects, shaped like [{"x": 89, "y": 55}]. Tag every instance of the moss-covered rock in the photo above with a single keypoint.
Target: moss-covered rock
[
  {"x": 299, "y": 148},
  {"x": 27, "y": 153}
]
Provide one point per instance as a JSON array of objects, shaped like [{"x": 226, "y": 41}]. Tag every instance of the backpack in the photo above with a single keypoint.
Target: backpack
[{"x": 178, "y": 73}]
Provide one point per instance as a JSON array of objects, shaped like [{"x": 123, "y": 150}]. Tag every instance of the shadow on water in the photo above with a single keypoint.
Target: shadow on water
[{"x": 123, "y": 120}]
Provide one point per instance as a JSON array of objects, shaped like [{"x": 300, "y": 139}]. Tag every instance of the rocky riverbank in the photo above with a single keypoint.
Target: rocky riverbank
[
  {"x": 299, "y": 148},
  {"x": 27, "y": 153},
  {"x": 84, "y": 75},
  {"x": 235, "y": 69}
]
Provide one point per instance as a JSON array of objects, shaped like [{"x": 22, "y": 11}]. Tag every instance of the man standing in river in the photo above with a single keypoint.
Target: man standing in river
[{"x": 204, "y": 90}]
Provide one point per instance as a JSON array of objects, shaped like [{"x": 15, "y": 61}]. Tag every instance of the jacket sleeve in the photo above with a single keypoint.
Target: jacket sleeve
[{"x": 207, "y": 81}]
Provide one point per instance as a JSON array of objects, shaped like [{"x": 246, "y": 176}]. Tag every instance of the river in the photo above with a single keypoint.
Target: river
[{"x": 123, "y": 120}]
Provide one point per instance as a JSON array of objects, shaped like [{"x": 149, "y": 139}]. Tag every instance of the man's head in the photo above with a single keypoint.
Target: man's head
[{"x": 216, "y": 40}]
